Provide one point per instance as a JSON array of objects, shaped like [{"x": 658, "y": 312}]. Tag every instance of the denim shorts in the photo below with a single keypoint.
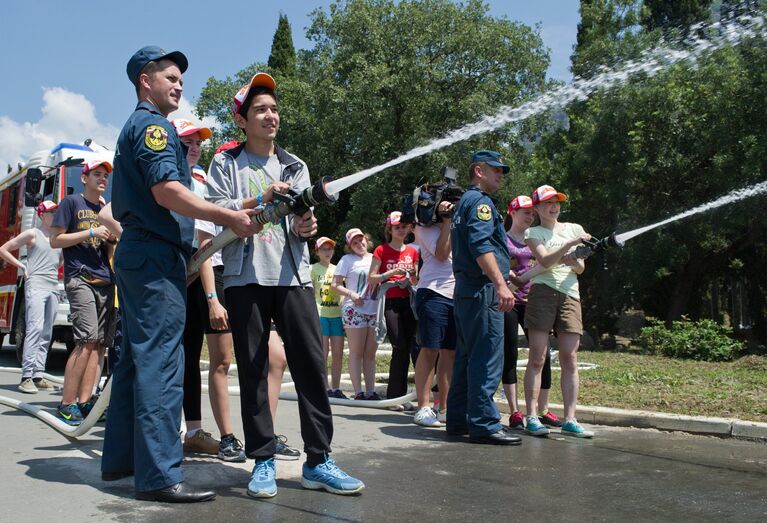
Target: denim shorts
[
  {"x": 331, "y": 326},
  {"x": 436, "y": 324}
]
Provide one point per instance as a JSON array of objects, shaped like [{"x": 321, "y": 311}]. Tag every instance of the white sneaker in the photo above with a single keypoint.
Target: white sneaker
[
  {"x": 442, "y": 416},
  {"x": 426, "y": 418},
  {"x": 28, "y": 386}
]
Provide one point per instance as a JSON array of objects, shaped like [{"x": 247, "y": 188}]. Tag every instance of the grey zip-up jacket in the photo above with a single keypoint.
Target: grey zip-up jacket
[{"x": 264, "y": 258}]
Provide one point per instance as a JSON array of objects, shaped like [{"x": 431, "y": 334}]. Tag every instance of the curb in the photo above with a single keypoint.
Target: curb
[{"x": 722, "y": 427}]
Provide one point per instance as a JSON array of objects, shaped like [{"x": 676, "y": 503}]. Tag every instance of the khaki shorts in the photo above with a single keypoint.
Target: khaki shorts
[
  {"x": 90, "y": 309},
  {"x": 548, "y": 309}
]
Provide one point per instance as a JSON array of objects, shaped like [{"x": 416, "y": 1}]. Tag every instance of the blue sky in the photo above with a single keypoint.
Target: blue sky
[{"x": 66, "y": 79}]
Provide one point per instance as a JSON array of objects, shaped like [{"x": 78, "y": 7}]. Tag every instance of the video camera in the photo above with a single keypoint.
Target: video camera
[{"x": 421, "y": 206}]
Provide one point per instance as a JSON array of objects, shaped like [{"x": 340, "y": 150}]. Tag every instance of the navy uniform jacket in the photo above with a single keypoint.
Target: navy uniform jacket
[
  {"x": 477, "y": 228},
  {"x": 149, "y": 151}
]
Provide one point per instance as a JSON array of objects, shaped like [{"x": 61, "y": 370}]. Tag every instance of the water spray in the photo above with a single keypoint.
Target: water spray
[
  {"x": 590, "y": 247},
  {"x": 689, "y": 49}
]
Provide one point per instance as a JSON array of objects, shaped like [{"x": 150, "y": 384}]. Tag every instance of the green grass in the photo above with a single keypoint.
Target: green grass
[{"x": 736, "y": 389}]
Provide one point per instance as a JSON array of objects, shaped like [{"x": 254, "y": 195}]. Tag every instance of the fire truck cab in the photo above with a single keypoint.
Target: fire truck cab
[{"x": 48, "y": 175}]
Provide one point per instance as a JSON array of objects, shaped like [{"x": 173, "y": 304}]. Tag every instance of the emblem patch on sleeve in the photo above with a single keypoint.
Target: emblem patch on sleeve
[
  {"x": 484, "y": 213},
  {"x": 156, "y": 137}
]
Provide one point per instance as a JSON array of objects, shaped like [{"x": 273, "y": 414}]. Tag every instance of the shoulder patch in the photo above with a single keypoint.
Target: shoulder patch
[
  {"x": 484, "y": 213},
  {"x": 156, "y": 137}
]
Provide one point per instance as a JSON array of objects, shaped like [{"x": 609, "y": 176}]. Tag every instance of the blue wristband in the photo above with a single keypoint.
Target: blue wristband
[
  {"x": 260, "y": 199},
  {"x": 211, "y": 295}
]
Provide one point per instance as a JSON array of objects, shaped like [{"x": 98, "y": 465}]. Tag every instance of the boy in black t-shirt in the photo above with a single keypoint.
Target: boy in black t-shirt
[{"x": 87, "y": 246}]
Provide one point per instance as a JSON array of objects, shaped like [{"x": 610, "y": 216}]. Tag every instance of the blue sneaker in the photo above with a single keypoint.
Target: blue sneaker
[
  {"x": 70, "y": 414},
  {"x": 535, "y": 427},
  {"x": 263, "y": 483},
  {"x": 573, "y": 428},
  {"x": 328, "y": 476}
]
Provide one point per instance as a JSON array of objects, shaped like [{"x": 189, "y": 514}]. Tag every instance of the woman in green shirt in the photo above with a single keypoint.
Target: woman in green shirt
[{"x": 554, "y": 304}]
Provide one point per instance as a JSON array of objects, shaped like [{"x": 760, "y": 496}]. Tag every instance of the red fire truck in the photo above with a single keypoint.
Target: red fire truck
[{"x": 48, "y": 175}]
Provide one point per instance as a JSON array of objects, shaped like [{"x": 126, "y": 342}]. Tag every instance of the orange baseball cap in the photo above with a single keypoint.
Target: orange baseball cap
[
  {"x": 186, "y": 127},
  {"x": 259, "y": 80},
  {"x": 547, "y": 192},
  {"x": 89, "y": 166},
  {"x": 322, "y": 241}
]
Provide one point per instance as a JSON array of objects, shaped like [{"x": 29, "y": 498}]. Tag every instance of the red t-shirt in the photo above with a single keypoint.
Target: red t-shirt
[{"x": 390, "y": 259}]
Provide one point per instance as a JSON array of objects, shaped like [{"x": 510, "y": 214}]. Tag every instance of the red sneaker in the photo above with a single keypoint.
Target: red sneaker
[
  {"x": 550, "y": 419},
  {"x": 516, "y": 421}
]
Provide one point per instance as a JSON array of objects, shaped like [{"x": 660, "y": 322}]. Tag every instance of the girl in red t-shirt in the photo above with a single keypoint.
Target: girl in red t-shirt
[{"x": 395, "y": 261}]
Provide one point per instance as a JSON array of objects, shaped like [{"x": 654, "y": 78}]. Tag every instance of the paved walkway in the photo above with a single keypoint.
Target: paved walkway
[{"x": 412, "y": 473}]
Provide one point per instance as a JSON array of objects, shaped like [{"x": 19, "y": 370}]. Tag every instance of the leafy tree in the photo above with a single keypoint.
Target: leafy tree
[
  {"x": 649, "y": 150},
  {"x": 383, "y": 77},
  {"x": 283, "y": 56}
]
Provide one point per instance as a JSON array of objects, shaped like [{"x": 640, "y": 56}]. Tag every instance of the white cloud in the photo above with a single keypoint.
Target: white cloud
[
  {"x": 67, "y": 117},
  {"x": 185, "y": 110}
]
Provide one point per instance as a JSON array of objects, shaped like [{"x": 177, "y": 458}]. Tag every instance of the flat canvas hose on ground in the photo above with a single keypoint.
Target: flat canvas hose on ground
[{"x": 44, "y": 414}]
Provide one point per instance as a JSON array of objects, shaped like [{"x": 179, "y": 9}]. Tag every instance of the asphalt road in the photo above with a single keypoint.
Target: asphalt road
[{"x": 411, "y": 473}]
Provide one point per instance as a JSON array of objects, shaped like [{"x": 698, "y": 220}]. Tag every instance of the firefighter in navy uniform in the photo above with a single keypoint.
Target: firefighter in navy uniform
[
  {"x": 153, "y": 203},
  {"x": 481, "y": 266}
]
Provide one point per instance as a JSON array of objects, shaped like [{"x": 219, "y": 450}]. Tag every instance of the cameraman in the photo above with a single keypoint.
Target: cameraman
[{"x": 434, "y": 307}]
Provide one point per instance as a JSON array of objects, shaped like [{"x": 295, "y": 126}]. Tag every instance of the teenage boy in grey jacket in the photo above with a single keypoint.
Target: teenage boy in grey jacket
[{"x": 267, "y": 278}]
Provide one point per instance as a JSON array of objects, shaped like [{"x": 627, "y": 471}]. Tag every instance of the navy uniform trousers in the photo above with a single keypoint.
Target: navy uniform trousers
[
  {"x": 147, "y": 385},
  {"x": 478, "y": 363}
]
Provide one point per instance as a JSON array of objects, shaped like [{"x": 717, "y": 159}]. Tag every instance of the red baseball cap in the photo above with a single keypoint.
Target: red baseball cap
[
  {"x": 520, "y": 202},
  {"x": 547, "y": 192},
  {"x": 46, "y": 206},
  {"x": 394, "y": 218},
  {"x": 258, "y": 80},
  {"x": 89, "y": 166},
  {"x": 186, "y": 127}
]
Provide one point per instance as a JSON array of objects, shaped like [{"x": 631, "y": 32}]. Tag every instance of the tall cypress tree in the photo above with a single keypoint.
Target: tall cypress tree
[{"x": 283, "y": 57}]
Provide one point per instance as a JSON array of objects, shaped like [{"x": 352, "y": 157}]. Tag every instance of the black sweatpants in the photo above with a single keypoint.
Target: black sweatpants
[
  {"x": 511, "y": 322},
  {"x": 400, "y": 328},
  {"x": 251, "y": 309},
  {"x": 196, "y": 319}
]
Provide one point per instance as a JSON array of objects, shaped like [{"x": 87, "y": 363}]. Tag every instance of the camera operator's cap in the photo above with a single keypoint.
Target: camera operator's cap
[
  {"x": 186, "y": 127},
  {"x": 322, "y": 241},
  {"x": 520, "y": 202},
  {"x": 547, "y": 192},
  {"x": 228, "y": 145},
  {"x": 352, "y": 233},
  {"x": 46, "y": 206},
  {"x": 152, "y": 53},
  {"x": 89, "y": 166},
  {"x": 394, "y": 218},
  {"x": 258, "y": 80},
  {"x": 490, "y": 158}
]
